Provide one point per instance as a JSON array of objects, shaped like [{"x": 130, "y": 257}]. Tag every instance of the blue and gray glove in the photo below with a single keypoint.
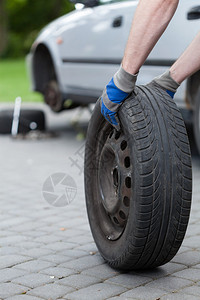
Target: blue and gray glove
[
  {"x": 167, "y": 82},
  {"x": 114, "y": 94}
]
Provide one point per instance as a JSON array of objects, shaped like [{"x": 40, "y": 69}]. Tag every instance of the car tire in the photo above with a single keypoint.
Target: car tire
[
  {"x": 196, "y": 120},
  {"x": 52, "y": 96},
  {"x": 29, "y": 119},
  {"x": 138, "y": 182}
]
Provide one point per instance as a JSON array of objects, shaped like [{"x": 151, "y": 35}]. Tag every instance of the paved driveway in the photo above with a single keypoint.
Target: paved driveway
[{"x": 47, "y": 252}]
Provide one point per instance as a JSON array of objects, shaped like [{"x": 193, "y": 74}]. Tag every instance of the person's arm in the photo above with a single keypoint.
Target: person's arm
[
  {"x": 188, "y": 63},
  {"x": 150, "y": 21}
]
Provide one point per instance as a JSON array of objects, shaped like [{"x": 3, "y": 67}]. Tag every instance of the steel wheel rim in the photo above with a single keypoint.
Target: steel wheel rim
[{"x": 115, "y": 185}]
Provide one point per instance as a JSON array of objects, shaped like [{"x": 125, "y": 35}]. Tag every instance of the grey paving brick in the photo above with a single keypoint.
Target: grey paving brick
[
  {"x": 47, "y": 239},
  {"x": 36, "y": 252},
  {"x": 33, "y": 280},
  {"x": 12, "y": 222},
  {"x": 57, "y": 246},
  {"x": 188, "y": 259},
  {"x": 179, "y": 296},
  {"x": 58, "y": 272},
  {"x": 50, "y": 291},
  {"x": 192, "y": 290},
  {"x": 10, "y": 273},
  {"x": 35, "y": 265},
  {"x": 123, "y": 298},
  {"x": 84, "y": 262},
  {"x": 98, "y": 291},
  {"x": 169, "y": 283},
  {"x": 102, "y": 272},
  {"x": 190, "y": 273},
  {"x": 128, "y": 280},
  {"x": 29, "y": 245},
  {"x": 23, "y": 297},
  {"x": 56, "y": 258},
  {"x": 79, "y": 281},
  {"x": 143, "y": 293},
  {"x": 13, "y": 239},
  {"x": 10, "y": 289},
  {"x": 73, "y": 253},
  {"x": 9, "y": 250},
  {"x": 167, "y": 269},
  {"x": 12, "y": 260}
]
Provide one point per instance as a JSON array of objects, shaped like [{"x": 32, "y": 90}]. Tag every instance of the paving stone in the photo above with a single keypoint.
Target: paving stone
[
  {"x": 50, "y": 291},
  {"x": 189, "y": 258},
  {"x": 10, "y": 289},
  {"x": 33, "y": 280},
  {"x": 98, "y": 291},
  {"x": 143, "y": 293},
  {"x": 169, "y": 283},
  {"x": 102, "y": 272},
  {"x": 35, "y": 265},
  {"x": 10, "y": 273},
  {"x": 178, "y": 296},
  {"x": 83, "y": 262},
  {"x": 36, "y": 252},
  {"x": 73, "y": 253},
  {"x": 57, "y": 246},
  {"x": 12, "y": 260},
  {"x": 58, "y": 272},
  {"x": 167, "y": 269},
  {"x": 56, "y": 258},
  {"x": 192, "y": 290},
  {"x": 129, "y": 280},
  {"x": 79, "y": 281},
  {"x": 9, "y": 250},
  {"x": 190, "y": 273},
  {"x": 23, "y": 297}
]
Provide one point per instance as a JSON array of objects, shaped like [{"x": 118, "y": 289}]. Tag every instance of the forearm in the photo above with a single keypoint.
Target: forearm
[
  {"x": 150, "y": 20},
  {"x": 188, "y": 63}
]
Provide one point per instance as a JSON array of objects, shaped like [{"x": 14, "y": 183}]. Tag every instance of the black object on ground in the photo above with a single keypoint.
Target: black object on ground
[
  {"x": 138, "y": 182},
  {"x": 29, "y": 119}
]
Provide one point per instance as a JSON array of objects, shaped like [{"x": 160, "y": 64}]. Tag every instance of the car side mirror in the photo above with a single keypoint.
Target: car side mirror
[{"x": 86, "y": 3}]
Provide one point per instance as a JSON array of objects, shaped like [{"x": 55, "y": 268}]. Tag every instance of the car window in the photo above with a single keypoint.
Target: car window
[{"x": 103, "y": 2}]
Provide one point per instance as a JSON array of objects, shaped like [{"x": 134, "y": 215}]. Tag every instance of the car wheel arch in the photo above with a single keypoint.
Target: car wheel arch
[{"x": 43, "y": 60}]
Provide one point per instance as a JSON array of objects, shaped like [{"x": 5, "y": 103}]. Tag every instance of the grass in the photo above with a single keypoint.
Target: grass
[{"x": 14, "y": 82}]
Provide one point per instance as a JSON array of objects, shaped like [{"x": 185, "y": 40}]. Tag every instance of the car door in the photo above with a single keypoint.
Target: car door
[{"x": 93, "y": 44}]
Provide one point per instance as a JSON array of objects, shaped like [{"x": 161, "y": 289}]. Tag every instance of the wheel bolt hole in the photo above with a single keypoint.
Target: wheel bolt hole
[
  {"x": 123, "y": 145},
  {"x": 126, "y": 201},
  {"x": 127, "y": 162},
  {"x": 128, "y": 182},
  {"x": 117, "y": 135},
  {"x": 116, "y": 221},
  {"x": 122, "y": 215},
  {"x": 115, "y": 177}
]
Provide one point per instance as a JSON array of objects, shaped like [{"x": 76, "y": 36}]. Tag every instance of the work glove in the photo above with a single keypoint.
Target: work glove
[
  {"x": 167, "y": 82},
  {"x": 114, "y": 94}
]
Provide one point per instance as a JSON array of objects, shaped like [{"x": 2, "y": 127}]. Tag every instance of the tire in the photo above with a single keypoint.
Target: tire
[
  {"x": 28, "y": 119},
  {"x": 196, "y": 121},
  {"x": 138, "y": 182},
  {"x": 52, "y": 96}
]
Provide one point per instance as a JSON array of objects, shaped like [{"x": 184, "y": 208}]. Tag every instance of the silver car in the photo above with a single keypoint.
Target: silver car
[{"x": 76, "y": 55}]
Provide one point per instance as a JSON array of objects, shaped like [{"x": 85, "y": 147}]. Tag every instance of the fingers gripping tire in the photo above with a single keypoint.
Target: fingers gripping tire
[{"x": 138, "y": 182}]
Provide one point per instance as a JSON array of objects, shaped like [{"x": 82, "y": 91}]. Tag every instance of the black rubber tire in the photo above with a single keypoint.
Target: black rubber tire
[
  {"x": 26, "y": 119},
  {"x": 161, "y": 181},
  {"x": 196, "y": 120},
  {"x": 53, "y": 97}
]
